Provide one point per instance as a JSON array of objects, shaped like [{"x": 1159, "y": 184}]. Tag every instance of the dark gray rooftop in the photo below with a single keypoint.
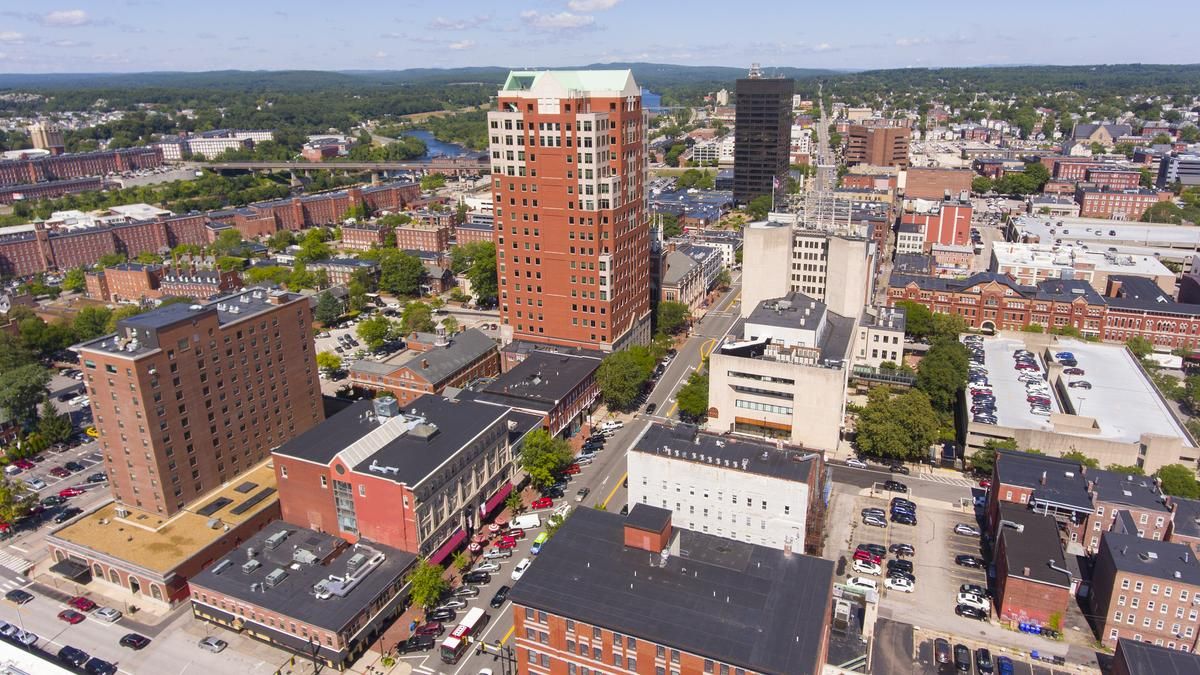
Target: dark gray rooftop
[
  {"x": 438, "y": 363},
  {"x": 1048, "y": 476},
  {"x": 751, "y": 606},
  {"x": 682, "y": 442},
  {"x": 293, "y": 597},
  {"x": 1160, "y": 559},
  {"x": 412, "y": 453},
  {"x": 1120, "y": 488},
  {"x": 648, "y": 518},
  {"x": 1143, "y": 294},
  {"x": 542, "y": 378},
  {"x": 1035, "y": 547},
  {"x": 1187, "y": 517},
  {"x": 1143, "y": 658},
  {"x": 794, "y": 310}
]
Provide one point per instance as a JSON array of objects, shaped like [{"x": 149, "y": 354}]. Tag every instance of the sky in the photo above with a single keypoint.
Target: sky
[{"x": 147, "y": 35}]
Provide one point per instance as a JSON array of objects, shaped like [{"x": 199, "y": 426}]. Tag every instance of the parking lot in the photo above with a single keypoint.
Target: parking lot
[
  {"x": 1012, "y": 409},
  {"x": 1022, "y": 665}
]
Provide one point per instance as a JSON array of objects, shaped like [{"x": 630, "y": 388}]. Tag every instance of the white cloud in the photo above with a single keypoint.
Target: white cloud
[
  {"x": 562, "y": 21},
  {"x": 381, "y": 54},
  {"x": 12, "y": 37},
  {"x": 592, "y": 5},
  {"x": 823, "y": 47},
  {"x": 69, "y": 43},
  {"x": 442, "y": 23},
  {"x": 911, "y": 42},
  {"x": 461, "y": 44},
  {"x": 66, "y": 17}
]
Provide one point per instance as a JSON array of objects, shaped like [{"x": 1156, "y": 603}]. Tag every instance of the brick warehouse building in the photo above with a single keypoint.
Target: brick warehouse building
[
  {"x": 431, "y": 364},
  {"x": 77, "y": 165},
  {"x": 419, "y": 479},
  {"x": 936, "y": 184},
  {"x": 569, "y": 166},
  {"x": 1129, "y": 204},
  {"x": 205, "y": 390},
  {"x": 942, "y": 222},
  {"x": 633, "y": 594},
  {"x": 1033, "y": 582}
]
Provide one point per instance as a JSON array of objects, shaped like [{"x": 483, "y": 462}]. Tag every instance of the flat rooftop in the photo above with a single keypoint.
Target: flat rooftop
[
  {"x": 303, "y": 558},
  {"x": 1097, "y": 230},
  {"x": 1068, "y": 256},
  {"x": 1127, "y": 489},
  {"x": 1030, "y": 547},
  {"x": 436, "y": 364},
  {"x": 682, "y": 442},
  {"x": 161, "y": 544},
  {"x": 1054, "y": 480},
  {"x": 1143, "y": 658},
  {"x": 1187, "y": 517},
  {"x": 542, "y": 379},
  {"x": 794, "y": 310},
  {"x": 1160, "y": 559},
  {"x": 751, "y": 606},
  {"x": 1123, "y": 401}
]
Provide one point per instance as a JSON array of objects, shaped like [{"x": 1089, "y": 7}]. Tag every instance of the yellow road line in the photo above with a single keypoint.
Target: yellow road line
[
  {"x": 707, "y": 348},
  {"x": 671, "y": 410},
  {"x": 614, "y": 490},
  {"x": 508, "y": 634}
]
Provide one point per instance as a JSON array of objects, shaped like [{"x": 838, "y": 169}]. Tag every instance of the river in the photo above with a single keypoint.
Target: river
[{"x": 436, "y": 148}]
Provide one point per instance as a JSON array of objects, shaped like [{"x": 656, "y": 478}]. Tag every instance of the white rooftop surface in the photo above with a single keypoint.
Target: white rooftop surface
[
  {"x": 1067, "y": 256},
  {"x": 1122, "y": 400},
  {"x": 1011, "y": 408},
  {"x": 1095, "y": 229}
]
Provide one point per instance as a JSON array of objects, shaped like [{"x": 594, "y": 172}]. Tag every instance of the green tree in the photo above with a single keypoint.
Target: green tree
[
  {"x": 122, "y": 312},
  {"x": 623, "y": 374},
  {"x": 461, "y": 561},
  {"x": 1077, "y": 456},
  {"x": 1140, "y": 346},
  {"x": 670, "y": 225},
  {"x": 111, "y": 260},
  {"x": 758, "y": 207},
  {"x": 450, "y": 324},
  {"x": 374, "y": 331},
  {"x": 901, "y": 427},
  {"x": 21, "y": 389},
  {"x": 418, "y": 317},
  {"x": 672, "y": 317},
  {"x": 482, "y": 273},
  {"x": 984, "y": 459},
  {"x": 693, "y": 397},
  {"x": 328, "y": 309},
  {"x": 543, "y": 456},
  {"x": 1127, "y": 469},
  {"x": 227, "y": 242},
  {"x": 943, "y": 373},
  {"x": 313, "y": 246},
  {"x": 52, "y": 426},
  {"x": 91, "y": 322},
  {"x": 514, "y": 503},
  {"x": 426, "y": 584},
  {"x": 15, "y": 500},
  {"x": 281, "y": 240},
  {"x": 918, "y": 320},
  {"x": 1179, "y": 481},
  {"x": 329, "y": 362},
  {"x": 433, "y": 181},
  {"x": 400, "y": 273},
  {"x": 74, "y": 280},
  {"x": 1163, "y": 212}
]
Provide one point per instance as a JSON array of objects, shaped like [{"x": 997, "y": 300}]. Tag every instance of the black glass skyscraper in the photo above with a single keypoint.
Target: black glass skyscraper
[{"x": 762, "y": 136}]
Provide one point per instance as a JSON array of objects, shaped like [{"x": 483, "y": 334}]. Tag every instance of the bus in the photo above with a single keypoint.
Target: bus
[
  {"x": 539, "y": 542},
  {"x": 456, "y": 644}
]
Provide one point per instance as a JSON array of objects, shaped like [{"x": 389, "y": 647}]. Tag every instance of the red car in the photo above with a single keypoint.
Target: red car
[
  {"x": 543, "y": 503},
  {"x": 70, "y": 616},
  {"x": 985, "y": 483},
  {"x": 506, "y": 542},
  {"x": 516, "y": 533},
  {"x": 572, "y": 470},
  {"x": 1027, "y": 366},
  {"x": 70, "y": 492},
  {"x": 433, "y": 628},
  {"x": 60, "y": 472},
  {"x": 862, "y": 554},
  {"x": 81, "y": 603},
  {"x": 24, "y": 464}
]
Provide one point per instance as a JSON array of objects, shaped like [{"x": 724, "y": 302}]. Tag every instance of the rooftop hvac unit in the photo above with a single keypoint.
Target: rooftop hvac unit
[
  {"x": 250, "y": 565},
  {"x": 276, "y": 539},
  {"x": 276, "y": 577}
]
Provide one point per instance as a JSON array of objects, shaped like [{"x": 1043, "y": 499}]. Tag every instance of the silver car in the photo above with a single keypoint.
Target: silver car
[
  {"x": 212, "y": 644},
  {"x": 488, "y": 566}
]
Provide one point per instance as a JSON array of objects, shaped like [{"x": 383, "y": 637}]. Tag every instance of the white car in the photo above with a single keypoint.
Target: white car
[
  {"x": 611, "y": 425},
  {"x": 864, "y": 567},
  {"x": 972, "y": 600},
  {"x": 26, "y": 638},
  {"x": 856, "y": 463},
  {"x": 109, "y": 614},
  {"x": 7, "y": 629},
  {"x": 968, "y": 530},
  {"x": 862, "y": 584},
  {"x": 519, "y": 570},
  {"x": 900, "y": 584},
  {"x": 488, "y": 566},
  {"x": 452, "y": 603}
]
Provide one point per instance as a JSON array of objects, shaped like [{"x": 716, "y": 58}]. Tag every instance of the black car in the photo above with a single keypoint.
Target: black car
[
  {"x": 97, "y": 478},
  {"x": 983, "y": 661},
  {"x": 969, "y": 560},
  {"x": 53, "y": 500},
  {"x": 897, "y": 564},
  {"x": 962, "y": 658},
  {"x": 898, "y": 468},
  {"x": 74, "y": 467},
  {"x": 904, "y": 518},
  {"x": 416, "y": 643},
  {"x": 970, "y": 612},
  {"x": 902, "y": 500},
  {"x": 874, "y": 549},
  {"x": 73, "y": 656},
  {"x": 476, "y": 578},
  {"x": 134, "y": 641},
  {"x": 18, "y": 596},
  {"x": 941, "y": 650},
  {"x": 99, "y": 667},
  {"x": 901, "y": 574},
  {"x": 894, "y": 486},
  {"x": 67, "y": 514},
  {"x": 975, "y": 589},
  {"x": 500, "y": 596},
  {"x": 651, "y": 408},
  {"x": 1070, "y": 363},
  {"x": 442, "y": 614},
  {"x": 902, "y": 549}
]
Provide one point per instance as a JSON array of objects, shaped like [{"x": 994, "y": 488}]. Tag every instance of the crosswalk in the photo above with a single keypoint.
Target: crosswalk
[
  {"x": 14, "y": 563},
  {"x": 947, "y": 480}
]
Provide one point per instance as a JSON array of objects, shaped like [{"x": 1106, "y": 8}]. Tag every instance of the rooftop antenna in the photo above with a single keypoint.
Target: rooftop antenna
[{"x": 755, "y": 71}]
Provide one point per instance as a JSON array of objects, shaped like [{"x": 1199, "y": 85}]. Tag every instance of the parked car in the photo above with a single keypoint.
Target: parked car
[
  {"x": 97, "y": 478},
  {"x": 70, "y": 492},
  {"x": 74, "y": 467},
  {"x": 876, "y": 549},
  {"x": 481, "y": 578},
  {"x": 983, "y": 661},
  {"x": 542, "y": 503},
  {"x": 1074, "y": 371},
  {"x": 73, "y": 656},
  {"x": 900, "y": 564},
  {"x": 1005, "y": 665},
  {"x": 969, "y": 561},
  {"x": 81, "y": 603},
  {"x": 902, "y": 549},
  {"x": 500, "y": 597},
  {"x": 70, "y": 616},
  {"x": 904, "y": 518},
  {"x": 572, "y": 470},
  {"x": 487, "y": 566},
  {"x": 894, "y": 486},
  {"x": 867, "y": 556},
  {"x": 25, "y": 638},
  {"x": 498, "y": 552},
  {"x": 134, "y": 641},
  {"x": 431, "y": 628},
  {"x": 35, "y": 483},
  {"x": 962, "y": 658},
  {"x": 52, "y": 500},
  {"x": 970, "y": 612},
  {"x": 441, "y": 614},
  {"x": 109, "y": 614},
  {"x": 67, "y": 514},
  {"x": 416, "y": 643},
  {"x": 968, "y": 530},
  {"x": 1080, "y": 384},
  {"x": 873, "y": 511},
  {"x": 856, "y": 463},
  {"x": 972, "y": 600},
  {"x": 506, "y": 543},
  {"x": 452, "y": 603},
  {"x": 97, "y": 666},
  {"x": 59, "y": 472},
  {"x": 941, "y": 651},
  {"x": 974, "y": 589},
  {"x": 862, "y": 584},
  {"x": 874, "y": 521},
  {"x": 519, "y": 570},
  {"x": 899, "y": 584},
  {"x": 213, "y": 644},
  {"x": 582, "y": 494},
  {"x": 465, "y": 591},
  {"x": 18, "y": 596},
  {"x": 865, "y": 567}
]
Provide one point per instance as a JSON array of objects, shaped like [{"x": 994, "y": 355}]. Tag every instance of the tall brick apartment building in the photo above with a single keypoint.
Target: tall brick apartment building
[
  {"x": 186, "y": 397},
  {"x": 569, "y": 166}
]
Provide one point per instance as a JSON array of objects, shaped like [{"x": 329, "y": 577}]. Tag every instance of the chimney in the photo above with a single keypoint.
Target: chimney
[
  {"x": 424, "y": 363},
  {"x": 1027, "y": 572},
  {"x": 1114, "y": 287}
]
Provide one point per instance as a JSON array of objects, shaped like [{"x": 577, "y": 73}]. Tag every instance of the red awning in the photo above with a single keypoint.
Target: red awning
[
  {"x": 498, "y": 498},
  {"x": 447, "y": 548}
]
